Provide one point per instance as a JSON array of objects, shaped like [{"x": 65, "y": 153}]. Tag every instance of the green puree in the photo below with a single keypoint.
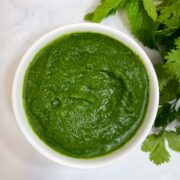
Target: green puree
[{"x": 85, "y": 94}]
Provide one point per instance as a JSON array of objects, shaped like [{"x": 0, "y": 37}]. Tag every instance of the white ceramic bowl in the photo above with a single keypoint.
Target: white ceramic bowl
[{"x": 137, "y": 139}]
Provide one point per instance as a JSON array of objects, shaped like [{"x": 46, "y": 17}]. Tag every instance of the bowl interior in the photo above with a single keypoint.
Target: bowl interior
[{"x": 136, "y": 140}]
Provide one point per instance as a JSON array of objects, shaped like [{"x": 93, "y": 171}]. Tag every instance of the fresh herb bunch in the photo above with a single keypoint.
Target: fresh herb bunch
[{"x": 156, "y": 25}]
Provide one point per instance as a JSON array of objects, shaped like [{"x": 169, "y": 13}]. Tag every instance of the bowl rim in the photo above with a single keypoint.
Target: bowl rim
[{"x": 132, "y": 144}]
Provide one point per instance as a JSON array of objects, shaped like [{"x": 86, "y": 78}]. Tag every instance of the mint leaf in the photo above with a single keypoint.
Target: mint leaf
[
  {"x": 142, "y": 26},
  {"x": 105, "y": 8},
  {"x": 155, "y": 145},
  {"x": 150, "y": 9}
]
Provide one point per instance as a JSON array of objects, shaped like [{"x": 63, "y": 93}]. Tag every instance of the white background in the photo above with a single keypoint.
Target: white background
[{"x": 22, "y": 22}]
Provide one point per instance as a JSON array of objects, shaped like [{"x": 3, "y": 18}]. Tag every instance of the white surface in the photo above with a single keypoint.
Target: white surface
[
  {"x": 21, "y": 23},
  {"x": 140, "y": 135}
]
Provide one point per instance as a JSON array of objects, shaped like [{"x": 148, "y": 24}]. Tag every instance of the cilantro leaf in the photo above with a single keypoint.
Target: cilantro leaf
[
  {"x": 166, "y": 114},
  {"x": 166, "y": 32},
  {"x": 155, "y": 145},
  {"x": 169, "y": 15},
  {"x": 160, "y": 155},
  {"x": 142, "y": 26},
  {"x": 170, "y": 91},
  {"x": 150, "y": 9},
  {"x": 163, "y": 76},
  {"x": 173, "y": 61},
  {"x": 168, "y": 73},
  {"x": 150, "y": 143},
  {"x": 177, "y": 43},
  {"x": 165, "y": 40},
  {"x": 105, "y": 8},
  {"x": 173, "y": 140}
]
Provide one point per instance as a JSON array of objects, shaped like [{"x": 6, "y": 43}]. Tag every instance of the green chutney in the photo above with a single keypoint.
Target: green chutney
[{"x": 85, "y": 94}]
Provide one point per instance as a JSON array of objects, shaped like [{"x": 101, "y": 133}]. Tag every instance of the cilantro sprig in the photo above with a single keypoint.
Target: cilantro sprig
[
  {"x": 156, "y": 26},
  {"x": 155, "y": 145}
]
